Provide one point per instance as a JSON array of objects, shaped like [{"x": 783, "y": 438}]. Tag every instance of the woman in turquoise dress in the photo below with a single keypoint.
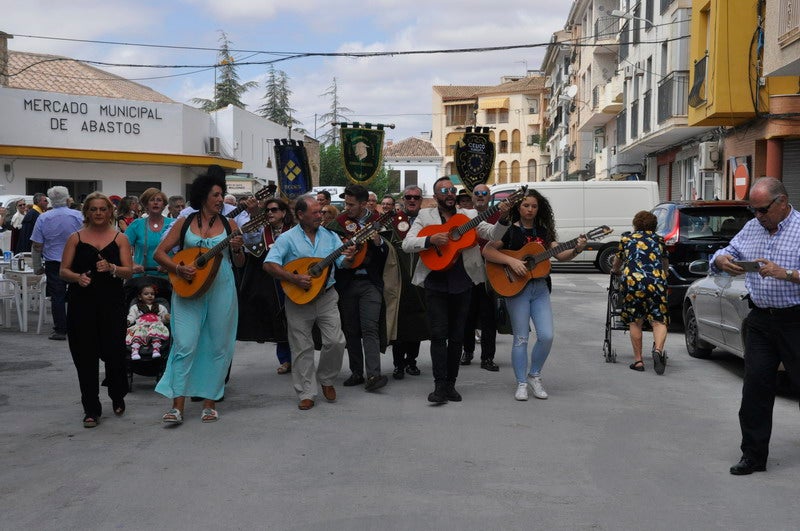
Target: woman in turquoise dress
[
  {"x": 203, "y": 327},
  {"x": 642, "y": 261},
  {"x": 145, "y": 234}
]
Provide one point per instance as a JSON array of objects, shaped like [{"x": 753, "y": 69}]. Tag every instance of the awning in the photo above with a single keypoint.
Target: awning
[{"x": 493, "y": 103}]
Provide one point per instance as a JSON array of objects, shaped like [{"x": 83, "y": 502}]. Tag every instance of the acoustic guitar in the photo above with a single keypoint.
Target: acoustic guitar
[
  {"x": 265, "y": 193},
  {"x": 361, "y": 253},
  {"x": 206, "y": 261},
  {"x": 507, "y": 284},
  {"x": 319, "y": 268},
  {"x": 461, "y": 232}
]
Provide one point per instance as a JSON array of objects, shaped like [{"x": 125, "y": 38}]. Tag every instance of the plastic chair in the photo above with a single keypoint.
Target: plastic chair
[
  {"x": 10, "y": 292},
  {"x": 42, "y": 300}
]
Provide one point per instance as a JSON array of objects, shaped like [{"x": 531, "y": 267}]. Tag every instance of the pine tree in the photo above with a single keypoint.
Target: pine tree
[
  {"x": 276, "y": 105},
  {"x": 227, "y": 90},
  {"x": 337, "y": 114}
]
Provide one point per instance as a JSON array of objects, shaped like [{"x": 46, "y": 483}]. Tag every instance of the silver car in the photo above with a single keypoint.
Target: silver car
[{"x": 714, "y": 310}]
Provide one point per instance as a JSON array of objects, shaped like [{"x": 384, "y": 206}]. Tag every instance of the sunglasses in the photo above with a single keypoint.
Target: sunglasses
[
  {"x": 762, "y": 210},
  {"x": 481, "y": 193},
  {"x": 412, "y": 197},
  {"x": 445, "y": 191},
  {"x": 273, "y": 209}
]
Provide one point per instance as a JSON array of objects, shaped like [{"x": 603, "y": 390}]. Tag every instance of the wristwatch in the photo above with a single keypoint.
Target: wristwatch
[{"x": 789, "y": 274}]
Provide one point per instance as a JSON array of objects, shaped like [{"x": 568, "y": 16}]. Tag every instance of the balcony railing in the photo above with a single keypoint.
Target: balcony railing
[
  {"x": 646, "y": 112},
  {"x": 605, "y": 28},
  {"x": 673, "y": 95},
  {"x": 622, "y": 128},
  {"x": 697, "y": 96},
  {"x": 623, "y": 42},
  {"x": 635, "y": 119},
  {"x": 595, "y": 97},
  {"x": 788, "y": 22},
  {"x": 665, "y": 5}
]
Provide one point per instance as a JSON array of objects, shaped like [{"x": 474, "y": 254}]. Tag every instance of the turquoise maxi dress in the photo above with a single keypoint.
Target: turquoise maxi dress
[{"x": 203, "y": 333}]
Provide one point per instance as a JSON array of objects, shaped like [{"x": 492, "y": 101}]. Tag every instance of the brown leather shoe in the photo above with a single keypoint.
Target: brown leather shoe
[
  {"x": 306, "y": 404},
  {"x": 329, "y": 392}
]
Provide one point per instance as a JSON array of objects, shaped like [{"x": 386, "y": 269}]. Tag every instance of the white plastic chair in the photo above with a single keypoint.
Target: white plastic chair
[
  {"x": 39, "y": 293},
  {"x": 10, "y": 292}
]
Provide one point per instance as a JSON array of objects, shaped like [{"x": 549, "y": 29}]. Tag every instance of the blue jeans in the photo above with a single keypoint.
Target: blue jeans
[{"x": 533, "y": 302}]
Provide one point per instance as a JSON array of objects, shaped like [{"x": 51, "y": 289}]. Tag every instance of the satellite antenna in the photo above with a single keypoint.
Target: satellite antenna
[{"x": 570, "y": 91}]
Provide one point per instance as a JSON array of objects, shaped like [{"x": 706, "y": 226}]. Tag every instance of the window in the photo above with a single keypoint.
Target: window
[
  {"x": 533, "y": 106},
  {"x": 502, "y": 116},
  {"x": 393, "y": 175},
  {"x": 459, "y": 115},
  {"x": 411, "y": 177},
  {"x": 531, "y": 169}
]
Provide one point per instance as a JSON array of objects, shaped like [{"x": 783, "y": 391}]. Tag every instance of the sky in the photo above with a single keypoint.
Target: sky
[{"x": 389, "y": 90}]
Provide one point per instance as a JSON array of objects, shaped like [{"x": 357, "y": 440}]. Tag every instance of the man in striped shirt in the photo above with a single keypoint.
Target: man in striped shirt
[{"x": 772, "y": 328}]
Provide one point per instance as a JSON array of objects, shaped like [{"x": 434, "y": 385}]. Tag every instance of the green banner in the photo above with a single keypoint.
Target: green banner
[{"x": 362, "y": 152}]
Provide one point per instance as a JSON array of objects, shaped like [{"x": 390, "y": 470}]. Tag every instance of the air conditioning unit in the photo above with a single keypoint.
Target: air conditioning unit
[
  {"x": 708, "y": 155},
  {"x": 213, "y": 145},
  {"x": 629, "y": 71}
]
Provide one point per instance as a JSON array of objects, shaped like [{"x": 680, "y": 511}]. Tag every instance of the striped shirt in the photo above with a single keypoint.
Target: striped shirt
[{"x": 782, "y": 248}]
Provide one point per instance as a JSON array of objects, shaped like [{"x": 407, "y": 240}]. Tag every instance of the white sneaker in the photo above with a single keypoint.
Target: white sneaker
[
  {"x": 135, "y": 356},
  {"x": 522, "y": 392},
  {"x": 537, "y": 387}
]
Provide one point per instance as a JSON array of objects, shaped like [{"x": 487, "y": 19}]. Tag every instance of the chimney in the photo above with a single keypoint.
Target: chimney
[{"x": 4, "y": 58}]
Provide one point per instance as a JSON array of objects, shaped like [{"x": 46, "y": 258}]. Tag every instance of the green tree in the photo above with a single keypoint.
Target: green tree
[
  {"x": 337, "y": 114},
  {"x": 386, "y": 182},
  {"x": 276, "y": 105},
  {"x": 331, "y": 166},
  {"x": 227, "y": 89}
]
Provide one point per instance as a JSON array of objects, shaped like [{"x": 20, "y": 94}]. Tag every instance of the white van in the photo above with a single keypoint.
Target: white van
[
  {"x": 580, "y": 206},
  {"x": 335, "y": 191}
]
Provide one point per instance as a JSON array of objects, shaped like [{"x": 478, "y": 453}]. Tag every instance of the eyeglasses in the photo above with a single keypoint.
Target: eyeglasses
[
  {"x": 20, "y": 205},
  {"x": 273, "y": 209},
  {"x": 481, "y": 193},
  {"x": 412, "y": 197},
  {"x": 762, "y": 210},
  {"x": 445, "y": 191}
]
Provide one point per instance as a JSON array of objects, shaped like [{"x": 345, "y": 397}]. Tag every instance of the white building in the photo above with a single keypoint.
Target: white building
[{"x": 413, "y": 161}]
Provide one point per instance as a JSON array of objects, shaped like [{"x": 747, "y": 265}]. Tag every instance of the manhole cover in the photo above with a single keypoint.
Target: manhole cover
[{"x": 9, "y": 366}]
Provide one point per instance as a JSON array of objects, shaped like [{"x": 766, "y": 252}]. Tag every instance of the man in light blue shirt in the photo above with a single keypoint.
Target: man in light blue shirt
[
  {"x": 50, "y": 234},
  {"x": 772, "y": 328},
  {"x": 306, "y": 240}
]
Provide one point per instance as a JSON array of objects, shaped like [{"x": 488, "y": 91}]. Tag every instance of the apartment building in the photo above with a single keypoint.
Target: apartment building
[
  {"x": 413, "y": 161},
  {"x": 513, "y": 110}
]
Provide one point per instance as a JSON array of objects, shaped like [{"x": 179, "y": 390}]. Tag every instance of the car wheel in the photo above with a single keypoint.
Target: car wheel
[
  {"x": 696, "y": 347},
  {"x": 605, "y": 260}
]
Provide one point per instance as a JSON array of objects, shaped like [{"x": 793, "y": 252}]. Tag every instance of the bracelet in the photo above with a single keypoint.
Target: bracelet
[{"x": 114, "y": 270}]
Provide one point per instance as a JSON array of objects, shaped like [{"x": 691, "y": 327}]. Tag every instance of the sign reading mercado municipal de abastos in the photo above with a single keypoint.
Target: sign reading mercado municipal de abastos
[{"x": 50, "y": 119}]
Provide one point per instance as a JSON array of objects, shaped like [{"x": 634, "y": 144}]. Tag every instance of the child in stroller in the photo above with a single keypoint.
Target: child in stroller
[{"x": 147, "y": 323}]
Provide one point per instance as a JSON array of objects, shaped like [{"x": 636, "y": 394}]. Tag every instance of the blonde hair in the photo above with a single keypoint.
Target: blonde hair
[{"x": 91, "y": 197}]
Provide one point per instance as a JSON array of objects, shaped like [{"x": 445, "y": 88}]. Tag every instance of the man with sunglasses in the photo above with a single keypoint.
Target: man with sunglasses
[
  {"x": 481, "y": 311},
  {"x": 412, "y": 324},
  {"x": 772, "y": 328},
  {"x": 448, "y": 292}
]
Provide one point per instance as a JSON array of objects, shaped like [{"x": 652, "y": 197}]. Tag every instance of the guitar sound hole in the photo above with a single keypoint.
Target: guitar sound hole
[{"x": 454, "y": 235}]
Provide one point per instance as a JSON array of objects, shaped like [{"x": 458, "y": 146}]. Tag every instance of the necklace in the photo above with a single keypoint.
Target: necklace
[{"x": 276, "y": 231}]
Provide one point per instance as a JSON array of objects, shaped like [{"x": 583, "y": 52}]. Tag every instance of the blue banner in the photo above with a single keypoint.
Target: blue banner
[{"x": 294, "y": 177}]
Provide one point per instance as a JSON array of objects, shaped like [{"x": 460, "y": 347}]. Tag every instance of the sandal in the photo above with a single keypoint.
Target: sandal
[
  {"x": 285, "y": 368},
  {"x": 209, "y": 415},
  {"x": 119, "y": 407},
  {"x": 91, "y": 421},
  {"x": 637, "y": 366},
  {"x": 659, "y": 361},
  {"x": 173, "y": 416}
]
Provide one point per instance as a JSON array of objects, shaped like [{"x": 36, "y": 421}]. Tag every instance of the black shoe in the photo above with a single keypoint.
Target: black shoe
[
  {"x": 355, "y": 379},
  {"x": 398, "y": 373},
  {"x": 57, "y": 336},
  {"x": 659, "y": 361},
  {"x": 747, "y": 466},
  {"x": 489, "y": 365},
  {"x": 375, "y": 382},
  {"x": 412, "y": 370},
  {"x": 450, "y": 392},
  {"x": 438, "y": 395},
  {"x": 466, "y": 358}
]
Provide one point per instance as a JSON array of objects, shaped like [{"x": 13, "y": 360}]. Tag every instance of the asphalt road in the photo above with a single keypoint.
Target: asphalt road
[{"x": 611, "y": 449}]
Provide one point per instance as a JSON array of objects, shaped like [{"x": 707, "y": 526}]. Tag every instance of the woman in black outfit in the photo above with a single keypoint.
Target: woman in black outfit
[{"x": 96, "y": 259}]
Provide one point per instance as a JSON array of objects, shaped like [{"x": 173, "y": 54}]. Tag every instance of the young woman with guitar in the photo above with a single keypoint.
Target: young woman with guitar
[
  {"x": 203, "y": 326},
  {"x": 535, "y": 225}
]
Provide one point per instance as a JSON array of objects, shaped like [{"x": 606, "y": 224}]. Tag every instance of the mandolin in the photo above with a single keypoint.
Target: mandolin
[
  {"x": 507, "y": 284},
  {"x": 319, "y": 268},
  {"x": 361, "y": 253},
  {"x": 206, "y": 261},
  {"x": 461, "y": 232}
]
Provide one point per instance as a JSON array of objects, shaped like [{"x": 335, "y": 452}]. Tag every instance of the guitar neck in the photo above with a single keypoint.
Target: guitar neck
[
  {"x": 218, "y": 248},
  {"x": 358, "y": 238},
  {"x": 235, "y": 212},
  {"x": 550, "y": 253},
  {"x": 474, "y": 222}
]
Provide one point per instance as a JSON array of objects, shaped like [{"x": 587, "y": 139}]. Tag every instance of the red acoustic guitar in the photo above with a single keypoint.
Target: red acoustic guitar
[
  {"x": 461, "y": 232},
  {"x": 361, "y": 253},
  {"x": 507, "y": 284}
]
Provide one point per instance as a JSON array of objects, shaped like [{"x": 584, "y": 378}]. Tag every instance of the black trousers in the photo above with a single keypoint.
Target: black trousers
[
  {"x": 481, "y": 314},
  {"x": 447, "y": 315},
  {"x": 57, "y": 291},
  {"x": 405, "y": 353},
  {"x": 771, "y": 338}
]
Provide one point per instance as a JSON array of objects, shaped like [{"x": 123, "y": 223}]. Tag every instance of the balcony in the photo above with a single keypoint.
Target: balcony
[
  {"x": 665, "y": 5},
  {"x": 622, "y": 128},
  {"x": 606, "y": 35},
  {"x": 673, "y": 96},
  {"x": 624, "y": 40},
  {"x": 611, "y": 96}
]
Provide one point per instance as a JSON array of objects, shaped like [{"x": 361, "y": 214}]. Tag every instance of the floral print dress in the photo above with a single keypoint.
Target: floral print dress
[{"x": 644, "y": 280}]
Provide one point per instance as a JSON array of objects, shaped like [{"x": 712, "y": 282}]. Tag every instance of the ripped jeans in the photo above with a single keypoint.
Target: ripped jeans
[{"x": 533, "y": 302}]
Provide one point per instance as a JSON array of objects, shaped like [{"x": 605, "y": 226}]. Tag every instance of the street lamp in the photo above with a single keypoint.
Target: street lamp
[{"x": 627, "y": 16}]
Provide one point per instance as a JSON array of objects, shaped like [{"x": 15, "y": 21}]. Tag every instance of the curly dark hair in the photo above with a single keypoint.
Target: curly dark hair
[
  {"x": 288, "y": 218},
  {"x": 544, "y": 218},
  {"x": 645, "y": 221},
  {"x": 202, "y": 185}
]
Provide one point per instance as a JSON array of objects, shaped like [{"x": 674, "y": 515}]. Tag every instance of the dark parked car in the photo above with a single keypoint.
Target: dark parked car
[{"x": 694, "y": 230}]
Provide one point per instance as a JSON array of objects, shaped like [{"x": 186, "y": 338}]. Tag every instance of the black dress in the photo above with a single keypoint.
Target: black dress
[{"x": 96, "y": 326}]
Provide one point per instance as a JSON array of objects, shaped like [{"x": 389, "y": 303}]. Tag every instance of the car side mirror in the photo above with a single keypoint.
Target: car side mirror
[{"x": 699, "y": 267}]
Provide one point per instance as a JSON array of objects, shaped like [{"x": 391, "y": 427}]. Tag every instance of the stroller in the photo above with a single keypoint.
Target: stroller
[
  {"x": 613, "y": 317},
  {"x": 147, "y": 365}
]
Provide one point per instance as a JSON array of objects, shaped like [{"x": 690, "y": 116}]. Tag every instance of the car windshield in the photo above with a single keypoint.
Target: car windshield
[{"x": 712, "y": 222}]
